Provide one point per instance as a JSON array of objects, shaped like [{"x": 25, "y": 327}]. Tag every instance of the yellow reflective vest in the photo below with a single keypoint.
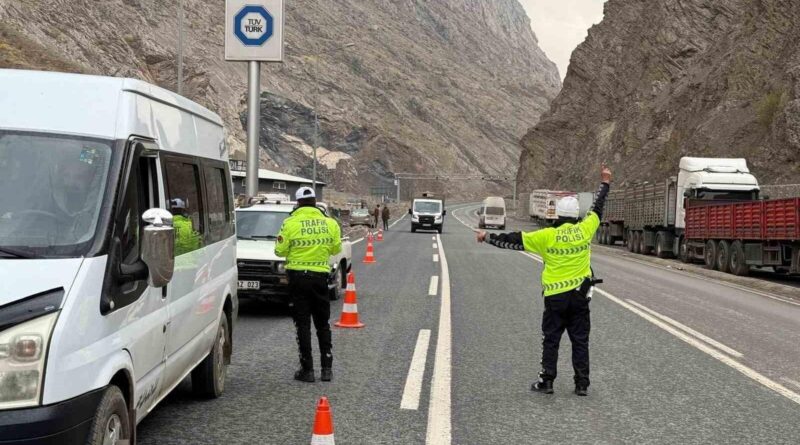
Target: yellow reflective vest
[
  {"x": 308, "y": 239},
  {"x": 566, "y": 251}
]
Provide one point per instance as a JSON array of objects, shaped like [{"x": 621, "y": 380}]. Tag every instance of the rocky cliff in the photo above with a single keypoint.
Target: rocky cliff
[
  {"x": 398, "y": 85},
  {"x": 659, "y": 80}
]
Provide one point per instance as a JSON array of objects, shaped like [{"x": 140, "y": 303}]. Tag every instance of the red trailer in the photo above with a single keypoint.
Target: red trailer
[{"x": 733, "y": 236}]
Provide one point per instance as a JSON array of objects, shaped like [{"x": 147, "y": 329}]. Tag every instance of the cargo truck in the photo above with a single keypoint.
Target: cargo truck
[
  {"x": 542, "y": 205},
  {"x": 650, "y": 217},
  {"x": 733, "y": 236}
]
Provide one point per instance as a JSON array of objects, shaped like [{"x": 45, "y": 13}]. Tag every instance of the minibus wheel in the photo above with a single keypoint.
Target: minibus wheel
[
  {"x": 208, "y": 378},
  {"x": 111, "y": 424}
]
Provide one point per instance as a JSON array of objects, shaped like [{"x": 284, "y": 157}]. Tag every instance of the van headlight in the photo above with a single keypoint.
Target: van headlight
[
  {"x": 23, "y": 352},
  {"x": 280, "y": 267},
  {"x": 415, "y": 217},
  {"x": 438, "y": 218}
]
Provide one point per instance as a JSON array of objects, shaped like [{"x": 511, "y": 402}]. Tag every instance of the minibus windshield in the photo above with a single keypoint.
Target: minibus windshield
[
  {"x": 427, "y": 207},
  {"x": 259, "y": 225},
  {"x": 51, "y": 191},
  {"x": 495, "y": 211}
]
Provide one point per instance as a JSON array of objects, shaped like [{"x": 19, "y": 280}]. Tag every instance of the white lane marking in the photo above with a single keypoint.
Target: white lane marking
[
  {"x": 435, "y": 258},
  {"x": 435, "y": 246},
  {"x": 439, "y": 421},
  {"x": 534, "y": 257},
  {"x": 748, "y": 372},
  {"x": 357, "y": 241},
  {"x": 434, "y": 237},
  {"x": 688, "y": 330},
  {"x": 416, "y": 371},
  {"x": 434, "y": 287},
  {"x": 398, "y": 220},
  {"x": 794, "y": 383}
]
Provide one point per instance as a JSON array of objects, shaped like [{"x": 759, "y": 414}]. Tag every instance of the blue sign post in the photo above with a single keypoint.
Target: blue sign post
[{"x": 253, "y": 25}]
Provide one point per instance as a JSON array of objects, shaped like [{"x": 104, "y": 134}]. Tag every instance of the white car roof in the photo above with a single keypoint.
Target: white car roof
[{"x": 278, "y": 208}]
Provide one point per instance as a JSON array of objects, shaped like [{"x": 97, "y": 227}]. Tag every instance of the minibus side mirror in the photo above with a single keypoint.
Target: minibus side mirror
[
  {"x": 158, "y": 246},
  {"x": 410, "y": 212},
  {"x": 444, "y": 212}
]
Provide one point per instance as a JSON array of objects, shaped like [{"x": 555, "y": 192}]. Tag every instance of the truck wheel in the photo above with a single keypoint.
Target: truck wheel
[
  {"x": 710, "y": 255},
  {"x": 413, "y": 228},
  {"x": 643, "y": 247},
  {"x": 738, "y": 265},
  {"x": 605, "y": 236},
  {"x": 111, "y": 424},
  {"x": 683, "y": 250},
  {"x": 660, "y": 252},
  {"x": 637, "y": 242},
  {"x": 723, "y": 256},
  {"x": 630, "y": 242},
  {"x": 208, "y": 378}
]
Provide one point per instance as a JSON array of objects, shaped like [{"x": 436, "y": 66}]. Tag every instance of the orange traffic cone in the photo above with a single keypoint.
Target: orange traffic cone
[
  {"x": 380, "y": 234},
  {"x": 369, "y": 258},
  {"x": 323, "y": 424},
  {"x": 349, "y": 317}
]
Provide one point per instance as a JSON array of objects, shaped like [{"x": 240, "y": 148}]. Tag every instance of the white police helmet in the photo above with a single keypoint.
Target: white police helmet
[
  {"x": 304, "y": 193},
  {"x": 567, "y": 207}
]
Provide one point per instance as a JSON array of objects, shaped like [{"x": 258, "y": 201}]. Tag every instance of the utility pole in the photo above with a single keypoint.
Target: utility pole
[
  {"x": 180, "y": 47},
  {"x": 315, "y": 145}
]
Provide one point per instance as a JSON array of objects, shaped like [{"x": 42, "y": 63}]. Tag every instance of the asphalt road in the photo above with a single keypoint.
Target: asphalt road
[{"x": 675, "y": 359}]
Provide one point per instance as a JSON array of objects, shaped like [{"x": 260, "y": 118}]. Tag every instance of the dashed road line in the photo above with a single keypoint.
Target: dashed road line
[
  {"x": 439, "y": 421},
  {"x": 435, "y": 258},
  {"x": 433, "y": 289},
  {"x": 435, "y": 246},
  {"x": 416, "y": 371}
]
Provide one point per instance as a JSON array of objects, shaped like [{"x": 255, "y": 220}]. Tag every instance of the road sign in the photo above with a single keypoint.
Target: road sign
[{"x": 254, "y": 30}]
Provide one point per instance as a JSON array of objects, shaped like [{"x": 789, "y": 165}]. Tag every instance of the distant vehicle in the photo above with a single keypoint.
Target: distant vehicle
[
  {"x": 361, "y": 217},
  {"x": 428, "y": 213},
  {"x": 262, "y": 274},
  {"x": 117, "y": 255},
  {"x": 650, "y": 217},
  {"x": 542, "y": 206},
  {"x": 492, "y": 213}
]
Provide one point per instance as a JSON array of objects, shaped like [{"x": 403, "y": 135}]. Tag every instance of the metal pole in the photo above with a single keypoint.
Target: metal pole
[
  {"x": 253, "y": 125},
  {"x": 398, "y": 190},
  {"x": 180, "y": 46},
  {"x": 515, "y": 195}
]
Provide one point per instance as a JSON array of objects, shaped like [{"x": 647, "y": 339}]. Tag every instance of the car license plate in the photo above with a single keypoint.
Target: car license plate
[{"x": 250, "y": 285}]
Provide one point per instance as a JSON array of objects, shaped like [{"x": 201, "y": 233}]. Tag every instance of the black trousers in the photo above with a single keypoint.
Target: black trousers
[
  {"x": 309, "y": 300},
  {"x": 569, "y": 311},
  {"x": 385, "y": 224}
]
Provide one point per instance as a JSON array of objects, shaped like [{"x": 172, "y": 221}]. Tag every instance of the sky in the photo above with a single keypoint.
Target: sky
[{"x": 561, "y": 25}]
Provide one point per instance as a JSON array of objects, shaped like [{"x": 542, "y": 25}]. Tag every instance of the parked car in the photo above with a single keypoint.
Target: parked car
[
  {"x": 117, "y": 255},
  {"x": 361, "y": 217},
  {"x": 262, "y": 274}
]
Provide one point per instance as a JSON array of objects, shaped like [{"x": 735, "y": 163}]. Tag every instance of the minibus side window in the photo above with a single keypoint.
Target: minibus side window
[
  {"x": 219, "y": 204},
  {"x": 183, "y": 192}
]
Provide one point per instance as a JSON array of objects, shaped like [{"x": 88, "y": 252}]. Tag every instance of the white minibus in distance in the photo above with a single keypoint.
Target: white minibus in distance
[
  {"x": 117, "y": 255},
  {"x": 492, "y": 213}
]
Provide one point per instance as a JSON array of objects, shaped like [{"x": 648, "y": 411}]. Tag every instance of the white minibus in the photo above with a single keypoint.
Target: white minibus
[
  {"x": 117, "y": 255},
  {"x": 492, "y": 213}
]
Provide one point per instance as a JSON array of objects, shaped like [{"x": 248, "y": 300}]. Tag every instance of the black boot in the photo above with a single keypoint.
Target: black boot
[
  {"x": 305, "y": 375},
  {"x": 326, "y": 375},
  {"x": 542, "y": 386},
  {"x": 581, "y": 390}
]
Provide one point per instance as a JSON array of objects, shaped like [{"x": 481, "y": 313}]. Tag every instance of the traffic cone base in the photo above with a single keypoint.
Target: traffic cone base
[
  {"x": 322, "y": 433},
  {"x": 349, "y": 317},
  {"x": 369, "y": 257},
  {"x": 380, "y": 235}
]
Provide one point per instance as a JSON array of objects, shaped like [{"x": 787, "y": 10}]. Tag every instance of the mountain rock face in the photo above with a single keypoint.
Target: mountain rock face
[
  {"x": 396, "y": 85},
  {"x": 659, "y": 80}
]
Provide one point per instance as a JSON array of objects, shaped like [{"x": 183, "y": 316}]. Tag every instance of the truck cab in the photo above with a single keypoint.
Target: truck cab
[{"x": 717, "y": 179}]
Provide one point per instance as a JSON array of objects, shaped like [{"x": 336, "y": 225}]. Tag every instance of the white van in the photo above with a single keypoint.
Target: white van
[
  {"x": 117, "y": 255},
  {"x": 492, "y": 213}
]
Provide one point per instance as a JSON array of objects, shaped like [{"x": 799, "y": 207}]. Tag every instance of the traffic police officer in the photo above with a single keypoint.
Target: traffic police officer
[
  {"x": 307, "y": 240},
  {"x": 566, "y": 282}
]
